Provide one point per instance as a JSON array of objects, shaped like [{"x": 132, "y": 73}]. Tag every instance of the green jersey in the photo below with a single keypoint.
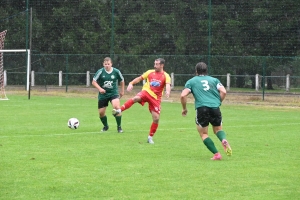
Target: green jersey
[
  {"x": 109, "y": 82},
  {"x": 205, "y": 91}
]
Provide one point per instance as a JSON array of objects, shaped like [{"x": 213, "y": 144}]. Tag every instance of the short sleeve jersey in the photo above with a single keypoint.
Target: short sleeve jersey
[
  {"x": 155, "y": 82},
  {"x": 108, "y": 81},
  {"x": 205, "y": 91}
]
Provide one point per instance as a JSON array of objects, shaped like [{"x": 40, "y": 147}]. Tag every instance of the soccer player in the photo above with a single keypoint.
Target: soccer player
[
  {"x": 209, "y": 94},
  {"x": 106, "y": 81},
  {"x": 156, "y": 80}
]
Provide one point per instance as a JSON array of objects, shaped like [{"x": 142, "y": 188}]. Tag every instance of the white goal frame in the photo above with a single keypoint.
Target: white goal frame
[{"x": 28, "y": 61}]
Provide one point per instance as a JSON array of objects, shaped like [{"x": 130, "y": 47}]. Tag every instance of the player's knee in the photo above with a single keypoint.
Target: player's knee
[{"x": 136, "y": 99}]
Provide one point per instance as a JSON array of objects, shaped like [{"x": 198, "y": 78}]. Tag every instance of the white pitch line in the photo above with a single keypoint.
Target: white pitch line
[
  {"x": 76, "y": 132},
  {"x": 82, "y": 133},
  {"x": 49, "y": 135}
]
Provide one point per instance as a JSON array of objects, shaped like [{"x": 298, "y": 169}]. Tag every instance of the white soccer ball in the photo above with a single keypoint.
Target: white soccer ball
[{"x": 73, "y": 123}]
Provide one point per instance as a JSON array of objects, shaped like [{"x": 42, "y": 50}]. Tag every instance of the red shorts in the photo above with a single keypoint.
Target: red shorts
[{"x": 154, "y": 104}]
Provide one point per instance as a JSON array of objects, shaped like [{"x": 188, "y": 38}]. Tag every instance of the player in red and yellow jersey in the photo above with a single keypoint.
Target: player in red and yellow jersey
[{"x": 156, "y": 80}]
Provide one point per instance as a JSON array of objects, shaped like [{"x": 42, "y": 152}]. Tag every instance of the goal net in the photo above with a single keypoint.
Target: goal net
[{"x": 2, "y": 89}]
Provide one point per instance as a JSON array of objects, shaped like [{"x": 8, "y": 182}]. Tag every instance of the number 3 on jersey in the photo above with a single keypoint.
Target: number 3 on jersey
[{"x": 205, "y": 85}]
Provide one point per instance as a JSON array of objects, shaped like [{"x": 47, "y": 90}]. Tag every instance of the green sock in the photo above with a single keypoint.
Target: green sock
[
  {"x": 104, "y": 120},
  {"x": 210, "y": 145},
  {"x": 221, "y": 135},
  {"x": 118, "y": 120}
]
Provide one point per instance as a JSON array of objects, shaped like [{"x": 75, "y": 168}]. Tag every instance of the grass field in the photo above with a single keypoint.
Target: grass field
[{"x": 41, "y": 158}]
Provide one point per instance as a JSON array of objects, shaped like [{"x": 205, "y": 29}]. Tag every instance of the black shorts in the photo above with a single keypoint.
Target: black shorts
[
  {"x": 205, "y": 115},
  {"x": 104, "y": 102}
]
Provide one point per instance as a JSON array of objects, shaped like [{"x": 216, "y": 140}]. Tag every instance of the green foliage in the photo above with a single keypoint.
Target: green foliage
[
  {"x": 41, "y": 158},
  {"x": 145, "y": 27},
  {"x": 237, "y": 37}
]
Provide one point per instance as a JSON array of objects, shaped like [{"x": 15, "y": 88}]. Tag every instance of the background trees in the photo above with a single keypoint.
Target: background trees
[
  {"x": 180, "y": 29},
  {"x": 158, "y": 27}
]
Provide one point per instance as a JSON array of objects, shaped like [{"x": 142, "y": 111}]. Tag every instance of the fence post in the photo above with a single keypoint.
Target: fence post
[
  {"x": 172, "y": 80},
  {"x": 88, "y": 79},
  {"x": 228, "y": 81},
  {"x": 256, "y": 82},
  {"x": 32, "y": 78},
  {"x": 5, "y": 77},
  {"x": 60, "y": 78},
  {"x": 288, "y": 83}
]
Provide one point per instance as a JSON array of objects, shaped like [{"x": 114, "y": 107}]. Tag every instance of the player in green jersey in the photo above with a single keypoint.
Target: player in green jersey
[
  {"x": 209, "y": 94},
  {"x": 106, "y": 80}
]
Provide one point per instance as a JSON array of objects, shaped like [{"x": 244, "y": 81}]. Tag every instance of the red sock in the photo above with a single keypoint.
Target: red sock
[
  {"x": 127, "y": 105},
  {"x": 153, "y": 129}
]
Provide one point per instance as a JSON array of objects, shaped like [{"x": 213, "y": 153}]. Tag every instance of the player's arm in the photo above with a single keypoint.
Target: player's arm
[
  {"x": 222, "y": 92},
  {"x": 168, "y": 90},
  {"x": 183, "y": 99},
  {"x": 122, "y": 84},
  {"x": 133, "y": 82},
  {"x": 96, "y": 85},
  {"x": 168, "y": 85}
]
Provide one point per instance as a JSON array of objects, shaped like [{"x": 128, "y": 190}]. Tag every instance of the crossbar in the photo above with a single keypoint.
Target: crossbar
[
  {"x": 12, "y": 50},
  {"x": 28, "y": 61}
]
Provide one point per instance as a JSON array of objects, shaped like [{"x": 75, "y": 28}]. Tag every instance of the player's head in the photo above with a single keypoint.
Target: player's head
[
  {"x": 159, "y": 64},
  {"x": 107, "y": 63},
  {"x": 201, "y": 68},
  {"x": 107, "y": 59}
]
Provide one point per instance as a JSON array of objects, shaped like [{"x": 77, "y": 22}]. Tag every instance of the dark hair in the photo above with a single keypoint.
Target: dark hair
[
  {"x": 201, "y": 68},
  {"x": 161, "y": 60}
]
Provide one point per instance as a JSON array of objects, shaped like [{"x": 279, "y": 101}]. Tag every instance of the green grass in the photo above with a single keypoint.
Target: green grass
[{"x": 41, "y": 158}]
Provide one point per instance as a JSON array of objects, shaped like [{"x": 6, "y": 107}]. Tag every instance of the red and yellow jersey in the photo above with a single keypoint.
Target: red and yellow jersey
[{"x": 155, "y": 82}]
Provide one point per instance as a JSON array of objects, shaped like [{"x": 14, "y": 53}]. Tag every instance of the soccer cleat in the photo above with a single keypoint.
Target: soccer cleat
[
  {"x": 115, "y": 112},
  {"x": 217, "y": 156},
  {"x": 150, "y": 141},
  {"x": 227, "y": 147},
  {"x": 105, "y": 128},
  {"x": 120, "y": 129}
]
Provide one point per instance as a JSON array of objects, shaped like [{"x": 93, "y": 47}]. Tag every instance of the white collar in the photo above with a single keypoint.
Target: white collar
[{"x": 109, "y": 71}]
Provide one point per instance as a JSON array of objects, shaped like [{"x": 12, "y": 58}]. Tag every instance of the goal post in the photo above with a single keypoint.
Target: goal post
[
  {"x": 2, "y": 89},
  {"x": 27, "y": 64},
  {"x": 2, "y": 50},
  {"x": 17, "y": 19}
]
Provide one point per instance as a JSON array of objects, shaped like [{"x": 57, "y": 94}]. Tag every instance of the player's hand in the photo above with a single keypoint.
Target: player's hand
[
  {"x": 167, "y": 94},
  {"x": 102, "y": 91},
  {"x": 184, "y": 112},
  {"x": 129, "y": 87},
  {"x": 121, "y": 94}
]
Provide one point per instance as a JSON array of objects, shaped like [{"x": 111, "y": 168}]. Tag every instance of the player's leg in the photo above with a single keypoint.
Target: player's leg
[
  {"x": 203, "y": 132},
  {"x": 153, "y": 127},
  {"x": 222, "y": 137},
  {"x": 216, "y": 121},
  {"x": 202, "y": 122},
  {"x": 102, "y": 104},
  {"x": 154, "y": 108},
  {"x": 115, "y": 101},
  {"x": 131, "y": 101}
]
